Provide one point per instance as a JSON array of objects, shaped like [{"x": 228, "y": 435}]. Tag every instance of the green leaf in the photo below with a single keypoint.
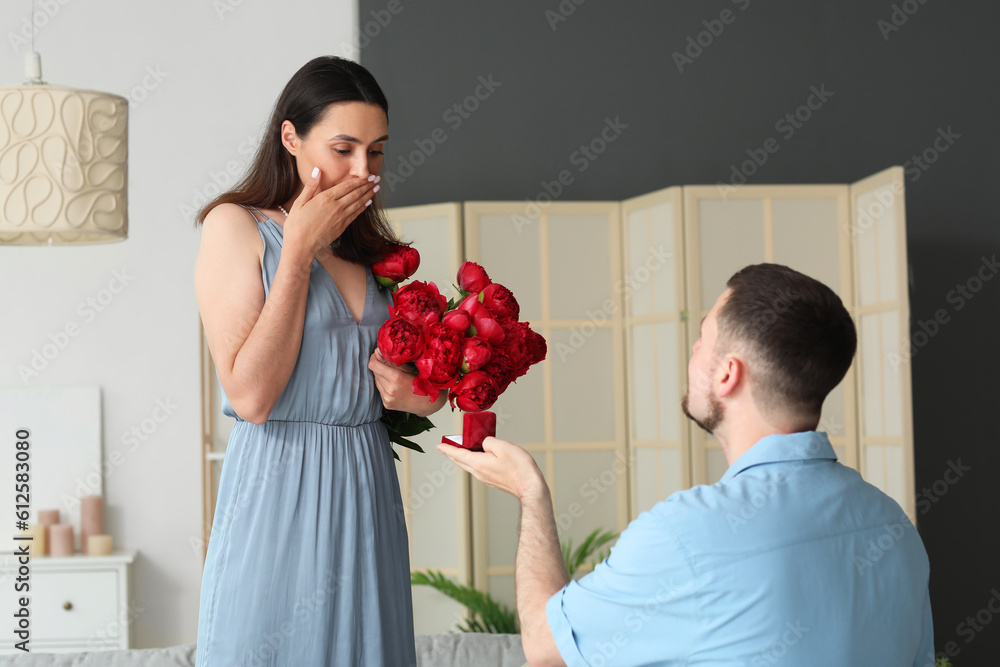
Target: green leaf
[
  {"x": 409, "y": 444},
  {"x": 405, "y": 423},
  {"x": 488, "y": 615},
  {"x": 575, "y": 559},
  {"x": 401, "y": 426}
]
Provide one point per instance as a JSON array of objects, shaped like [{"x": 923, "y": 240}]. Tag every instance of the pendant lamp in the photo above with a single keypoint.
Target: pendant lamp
[{"x": 63, "y": 163}]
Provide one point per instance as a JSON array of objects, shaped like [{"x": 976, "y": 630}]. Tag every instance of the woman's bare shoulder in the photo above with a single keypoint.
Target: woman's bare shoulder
[
  {"x": 229, "y": 238},
  {"x": 230, "y": 219},
  {"x": 233, "y": 226}
]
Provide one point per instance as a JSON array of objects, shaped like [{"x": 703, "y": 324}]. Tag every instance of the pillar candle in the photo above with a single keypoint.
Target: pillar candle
[
  {"x": 99, "y": 545},
  {"x": 60, "y": 540},
  {"x": 91, "y": 518},
  {"x": 36, "y": 545},
  {"x": 48, "y": 518}
]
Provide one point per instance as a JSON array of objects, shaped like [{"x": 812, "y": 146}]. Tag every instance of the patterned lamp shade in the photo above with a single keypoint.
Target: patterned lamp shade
[{"x": 63, "y": 166}]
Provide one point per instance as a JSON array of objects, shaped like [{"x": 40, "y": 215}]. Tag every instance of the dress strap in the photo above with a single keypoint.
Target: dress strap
[{"x": 251, "y": 213}]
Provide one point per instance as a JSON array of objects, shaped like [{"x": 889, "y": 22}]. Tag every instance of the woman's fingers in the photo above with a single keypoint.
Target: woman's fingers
[
  {"x": 382, "y": 371},
  {"x": 319, "y": 218},
  {"x": 394, "y": 384},
  {"x": 345, "y": 201},
  {"x": 375, "y": 365},
  {"x": 351, "y": 190},
  {"x": 308, "y": 190}
]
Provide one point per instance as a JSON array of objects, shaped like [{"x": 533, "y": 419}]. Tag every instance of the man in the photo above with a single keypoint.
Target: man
[{"x": 791, "y": 558}]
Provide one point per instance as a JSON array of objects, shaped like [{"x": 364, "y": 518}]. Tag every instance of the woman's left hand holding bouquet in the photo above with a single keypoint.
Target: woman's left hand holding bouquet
[
  {"x": 402, "y": 342},
  {"x": 396, "y": 387}
]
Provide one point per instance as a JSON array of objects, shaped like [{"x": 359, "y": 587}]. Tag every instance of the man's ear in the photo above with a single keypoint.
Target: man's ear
[{"x": 732, "y": 374}]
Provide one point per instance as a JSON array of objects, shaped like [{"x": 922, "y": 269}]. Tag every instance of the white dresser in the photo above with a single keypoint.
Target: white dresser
[{"x": 76, "y": 603}]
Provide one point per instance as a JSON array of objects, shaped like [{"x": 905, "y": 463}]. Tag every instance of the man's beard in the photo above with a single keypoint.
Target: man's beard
[{"x": 715, "y": 413}]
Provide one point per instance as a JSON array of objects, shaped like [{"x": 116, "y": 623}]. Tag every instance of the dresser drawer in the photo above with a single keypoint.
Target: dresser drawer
[
  {"x": 92, "y": 599},
  {"x": 94, "y": 588}
]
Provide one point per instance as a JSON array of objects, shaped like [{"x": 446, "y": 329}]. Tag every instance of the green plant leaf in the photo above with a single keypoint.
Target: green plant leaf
[
  {"x": 401, "y": 426},
  {"x": 488, "y": 615},
  {"x": 575, "y": 559},
  {"x": 405, "y": 423}
]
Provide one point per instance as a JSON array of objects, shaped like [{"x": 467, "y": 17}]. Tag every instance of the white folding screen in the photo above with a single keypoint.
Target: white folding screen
[
  {"x": 881, "y": 311},
  {"x": 656, "y": 346},
  {"x": 795, "y": 225},
  {"x": 435, "y": 492},
  {"x": 563, "y": 266}
]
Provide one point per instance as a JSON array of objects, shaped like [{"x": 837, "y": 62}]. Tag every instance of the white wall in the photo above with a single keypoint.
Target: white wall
[{"x": 219, "y": 65}]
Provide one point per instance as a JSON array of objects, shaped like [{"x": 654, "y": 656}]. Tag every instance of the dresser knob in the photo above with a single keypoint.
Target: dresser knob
[{"x": 67, "y": 605}]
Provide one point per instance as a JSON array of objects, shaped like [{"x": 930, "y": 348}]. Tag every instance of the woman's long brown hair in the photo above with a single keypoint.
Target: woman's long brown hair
[{"x": 272, "y": 177}]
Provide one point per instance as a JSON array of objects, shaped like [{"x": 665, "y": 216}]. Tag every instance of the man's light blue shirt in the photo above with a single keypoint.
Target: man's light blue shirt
[{"x": 790, "y": 559}]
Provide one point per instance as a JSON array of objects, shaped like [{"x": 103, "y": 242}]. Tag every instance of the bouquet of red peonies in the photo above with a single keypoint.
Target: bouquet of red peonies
[{"x": 472, "y": 346}]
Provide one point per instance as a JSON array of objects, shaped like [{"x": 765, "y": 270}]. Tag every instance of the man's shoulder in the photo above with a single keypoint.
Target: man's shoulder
[
  {"x": 776, "y": 503},
  {"x": 695, "y": 510}
]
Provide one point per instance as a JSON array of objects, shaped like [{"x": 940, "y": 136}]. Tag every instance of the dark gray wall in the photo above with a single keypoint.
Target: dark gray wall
[{"x": 892, "y": 92}]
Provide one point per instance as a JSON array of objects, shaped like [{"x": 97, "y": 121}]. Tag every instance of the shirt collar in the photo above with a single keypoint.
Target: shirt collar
[{"x": 778, "y": 447}]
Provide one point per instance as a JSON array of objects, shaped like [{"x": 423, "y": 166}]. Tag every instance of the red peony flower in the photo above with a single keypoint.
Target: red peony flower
[
  {"x": 397, "y": 265},
  {"x": 422, "y": 387},
  {"x": 400, "y": 341},
  {"x": 500, "y": 301},
  {"x": 419, "y": 302},
  {"x": 476, "y": 353},
  {"x": 471, "y": 305},
  {"x": 472, "y": 278},
  {"x": 442, "y": 355},
  {"x": 488, "y": 328},
  {"x": 538, "y": 347},
  {"x": 518, "y": 344},
  {"x": 483, "y": 323},
  {"x": 501, "y": 368},
  {"x": 508, "y": 324},
  {"x": 459, "y": 320},
  {"x": 525, "y": 345},
  {"x": 475, "y": 392}
]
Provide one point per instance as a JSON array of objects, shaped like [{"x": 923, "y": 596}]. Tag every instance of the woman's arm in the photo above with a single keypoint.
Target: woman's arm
[{"x": 255, "y": 342}]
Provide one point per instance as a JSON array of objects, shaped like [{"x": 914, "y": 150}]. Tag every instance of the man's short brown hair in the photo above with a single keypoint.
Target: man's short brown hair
[{"x": 798, "y": 337}]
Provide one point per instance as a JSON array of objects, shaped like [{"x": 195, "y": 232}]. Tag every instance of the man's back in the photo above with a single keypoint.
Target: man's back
[{"x": 790, "y": 559}]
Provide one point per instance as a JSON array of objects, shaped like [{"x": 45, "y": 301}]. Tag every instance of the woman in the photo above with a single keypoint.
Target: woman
[{"x": 307, "y": 562}]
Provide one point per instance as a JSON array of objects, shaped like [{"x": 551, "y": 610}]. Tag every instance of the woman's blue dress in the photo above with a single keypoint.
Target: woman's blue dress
[{"x": 307, "y": 562}]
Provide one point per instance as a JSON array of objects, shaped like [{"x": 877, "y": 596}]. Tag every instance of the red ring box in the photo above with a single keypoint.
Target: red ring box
[{"x": 476, "y": 427}]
